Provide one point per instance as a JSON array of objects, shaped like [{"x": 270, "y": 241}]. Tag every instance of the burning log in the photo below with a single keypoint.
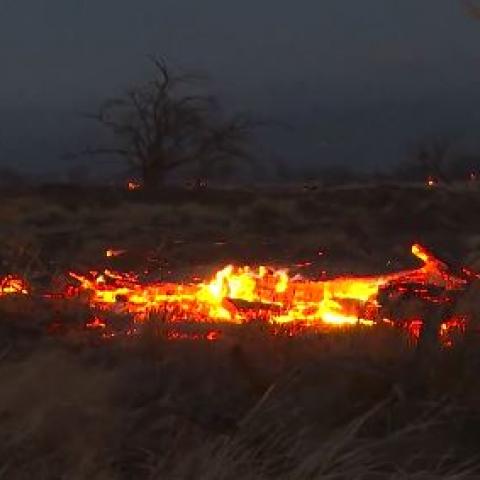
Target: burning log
[
  {"x": 12, "y": 284},
  {"x": 242, "y": 294}
]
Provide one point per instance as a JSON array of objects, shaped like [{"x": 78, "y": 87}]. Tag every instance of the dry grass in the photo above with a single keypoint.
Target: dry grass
[
  {"x": 353, "y": 225},
  {"x": 251, "y": 406},
  {"x": 343, "y": 406}
]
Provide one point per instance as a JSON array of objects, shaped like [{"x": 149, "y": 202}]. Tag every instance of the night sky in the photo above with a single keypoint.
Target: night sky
[{"x": 357, "y": 80}]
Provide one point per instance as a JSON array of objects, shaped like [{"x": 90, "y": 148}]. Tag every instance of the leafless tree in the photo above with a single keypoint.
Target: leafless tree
[
  {"x": 428, "y": 157},
  {"x": 164, "y": 125},
  {"x": 431, "y": 156}
]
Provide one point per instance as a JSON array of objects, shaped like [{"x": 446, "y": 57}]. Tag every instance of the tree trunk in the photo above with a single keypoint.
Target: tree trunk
[{"x": 153, "y": 175}]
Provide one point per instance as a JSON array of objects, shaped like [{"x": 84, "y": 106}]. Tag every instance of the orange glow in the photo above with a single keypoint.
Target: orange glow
[
  {"x": 449, "y": 328},
  {"x": 239, "y": 295},
  {"x": 177, "y": 335},
  {"x": 96, "y": 323},
  {"x": 431, "y": 182},
  {"x": 11, "y": 285},
  {"x": 133, "y": 185},
  {"x": 114, "y": 253}
]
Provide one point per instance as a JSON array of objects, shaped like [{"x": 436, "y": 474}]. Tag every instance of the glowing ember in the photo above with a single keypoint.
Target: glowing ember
[
  {"x": 177, "y": 335},
  {"x": 243, "y": 294},
  {"x": 96, "y": 323},
  {"x": 11, "y": 285},
  {"x": 114, "y": 253},
  {"x": 132, "y": 185},
  {"x": 431, "y": 182},
  {"x": 448, "y": 329}
]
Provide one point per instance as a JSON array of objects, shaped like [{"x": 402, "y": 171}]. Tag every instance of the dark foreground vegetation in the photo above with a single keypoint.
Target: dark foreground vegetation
[
  {"x": 343, "y": 406},
  {"x": 347, "y": 405}
]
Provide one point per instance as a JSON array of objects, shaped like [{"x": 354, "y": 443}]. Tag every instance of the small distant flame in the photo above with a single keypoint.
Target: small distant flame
[
  {"x": 114, "y": 253},
  {"x": 473, "y": 177},
  {"x": 11, "y": 285},
  {"x": 133, "y": 185},
  {"x": 431, "y": 182},
  {"x": 239, "y": 295}
]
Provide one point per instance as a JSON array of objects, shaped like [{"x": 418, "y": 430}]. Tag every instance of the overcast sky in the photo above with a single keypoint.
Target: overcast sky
[{"x": 307, "y": 60}]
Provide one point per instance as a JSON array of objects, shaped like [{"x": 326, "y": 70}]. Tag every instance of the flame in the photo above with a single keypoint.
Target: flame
[
  {"x": 431, "y": 182},
  {"x": 448, "y": 328},
  {"x": 114, "y": 253},
  {"x": 133, "y": 185},
  {"x": 241, "y": 294},
  {"x": 12, "y": 284},
  {"x": 211, "y": 336},
  {"x": 96, "y": 323}
]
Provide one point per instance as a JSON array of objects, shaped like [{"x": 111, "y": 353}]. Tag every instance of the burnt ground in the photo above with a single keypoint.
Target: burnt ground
[{"x": 351, "y": 405}]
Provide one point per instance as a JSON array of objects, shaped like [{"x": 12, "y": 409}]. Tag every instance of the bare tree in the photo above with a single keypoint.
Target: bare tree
[
  {"x": 431, "y": 156},
  {"x": 428, "y": 157},
  {"x": 163, "y": 125}
]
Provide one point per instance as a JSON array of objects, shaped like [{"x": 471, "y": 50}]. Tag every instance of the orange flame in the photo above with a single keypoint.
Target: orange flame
[
  {"x": 114, "y": 253},
  {"x": 133, "y": 185},
  {"x": 12, "y": 284},
  {"x": 431, "y": 182},
  {"x": 96, "y": 323},
  {"x": 239, "y": 294},
  {"x": 242, "y": 294}
]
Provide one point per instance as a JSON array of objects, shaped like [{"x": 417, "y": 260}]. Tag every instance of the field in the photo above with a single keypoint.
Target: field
[{"x": 350, "y": 404}]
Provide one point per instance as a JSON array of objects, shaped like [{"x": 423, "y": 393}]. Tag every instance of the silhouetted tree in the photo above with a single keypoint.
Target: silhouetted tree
[
  {"x": 432, "y": 155},
  {"x": 427, "y": 158},
  {"x": 158, "y": 128}
]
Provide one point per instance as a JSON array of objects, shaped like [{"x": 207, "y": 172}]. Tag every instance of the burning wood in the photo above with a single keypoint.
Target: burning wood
[
  {"x": 242, "y": 294},
  {"x": 133, "y": 185},
  {"x": 114, "y": 253},
  {"x": 12, "y": 284}
]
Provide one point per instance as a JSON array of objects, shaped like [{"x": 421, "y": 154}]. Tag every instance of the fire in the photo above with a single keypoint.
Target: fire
[
  {"x": 133, "y": 185},
  {"x": 12, "y": 284},
  {"x": 448, "y": 328},
  {"x": 242, "y": 294},
  {"x": 431, "y": 182},
  {"x": 114, "y": 253},
  {"x": 96, "y": 323},
  {"x": 211, "y": 336}
]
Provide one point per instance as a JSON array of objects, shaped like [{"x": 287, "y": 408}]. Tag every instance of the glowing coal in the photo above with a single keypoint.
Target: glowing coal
[
  {"x": 239, "y": 294},
  {"x": 242, "y": 294}
]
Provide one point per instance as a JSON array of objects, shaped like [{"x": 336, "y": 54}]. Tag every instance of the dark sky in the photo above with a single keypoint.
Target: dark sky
[{"x": 357, "y": 79}]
